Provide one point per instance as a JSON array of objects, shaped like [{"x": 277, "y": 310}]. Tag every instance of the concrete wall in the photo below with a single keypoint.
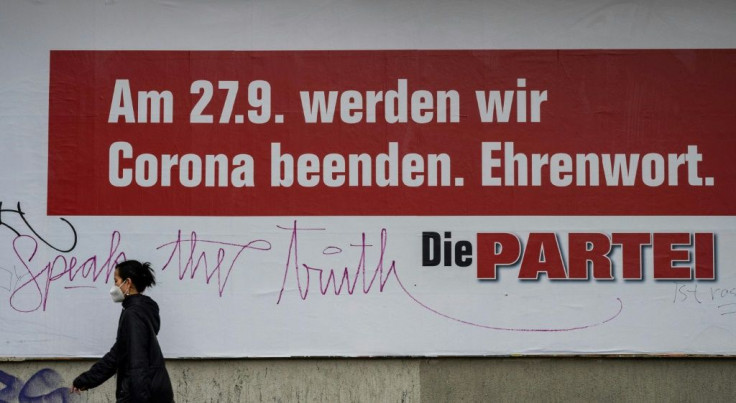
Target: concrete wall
[{"x": 402, "y": 380}]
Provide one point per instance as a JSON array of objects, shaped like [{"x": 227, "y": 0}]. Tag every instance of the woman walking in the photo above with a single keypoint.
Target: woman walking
[{"x": 136, "y": 356}]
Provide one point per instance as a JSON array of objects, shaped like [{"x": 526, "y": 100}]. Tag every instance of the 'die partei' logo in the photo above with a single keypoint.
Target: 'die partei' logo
[{"x": 676, "y": 256}]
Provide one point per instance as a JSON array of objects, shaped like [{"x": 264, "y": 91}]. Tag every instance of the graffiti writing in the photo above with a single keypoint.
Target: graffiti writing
[
  {"x": 216, "y": 258},
  {"x": 45, "y": 386},
  {"x": 33, "y": 293},
  {"x": 721, "y": 299},
  {"x": 338, "y": 279},
  {"x": 25, "y": 226},
  {"x": 295, "y": 269},
  {"x": 29, "y": 280}
]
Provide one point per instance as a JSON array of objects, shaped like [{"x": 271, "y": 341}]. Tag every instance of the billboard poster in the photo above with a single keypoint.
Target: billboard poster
[{"x": 373, "y": 201}]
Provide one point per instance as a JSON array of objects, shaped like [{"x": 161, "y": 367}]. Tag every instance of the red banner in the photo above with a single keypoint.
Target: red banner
[{"x": 534, "y": 132}]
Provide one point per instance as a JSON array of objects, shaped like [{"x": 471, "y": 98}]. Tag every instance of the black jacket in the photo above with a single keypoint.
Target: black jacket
[{"x": 136, "y": 356}]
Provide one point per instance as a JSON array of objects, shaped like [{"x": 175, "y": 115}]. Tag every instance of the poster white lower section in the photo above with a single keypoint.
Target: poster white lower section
[{"x": 357, "y": 286}]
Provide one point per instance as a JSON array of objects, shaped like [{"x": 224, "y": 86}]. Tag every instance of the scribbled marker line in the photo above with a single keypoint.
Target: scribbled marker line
[
  {"x": 511, "y": 329},
  {"x": 733, "y": 304},
  {"x": 69, "y": 287}
]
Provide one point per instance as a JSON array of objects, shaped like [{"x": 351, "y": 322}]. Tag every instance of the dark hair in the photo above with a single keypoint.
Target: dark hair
[{"x": 141, "y": 274}]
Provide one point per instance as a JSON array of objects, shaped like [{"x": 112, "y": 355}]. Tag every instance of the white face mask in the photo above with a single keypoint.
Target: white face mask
[{"x": 117, "y": 294}]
